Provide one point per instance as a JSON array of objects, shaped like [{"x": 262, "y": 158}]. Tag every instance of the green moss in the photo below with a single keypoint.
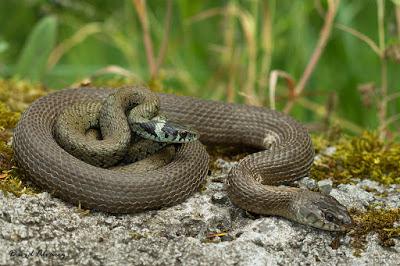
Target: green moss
[
  {"x": 360, "y": 157},
  {"x": 8, "y": 120},
  {"x": 374, "y": 220},
  {"x": 11, "y": 181},
  {"x": 136, "y": 235},
  {"x": 15, "y": 96},
  {"x": 18, "y": 94}
]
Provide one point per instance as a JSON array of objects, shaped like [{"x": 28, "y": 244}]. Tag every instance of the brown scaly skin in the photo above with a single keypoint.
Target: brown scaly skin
[{"x": 286, "y": 154}]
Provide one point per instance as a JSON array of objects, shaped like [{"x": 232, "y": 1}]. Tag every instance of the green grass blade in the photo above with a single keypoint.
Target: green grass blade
[{"x": 32, "y": 61}]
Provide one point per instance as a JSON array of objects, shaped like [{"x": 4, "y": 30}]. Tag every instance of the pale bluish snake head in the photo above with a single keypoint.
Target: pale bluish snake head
[
  {"x": 166, "y": 131},
  {"x": 322, "y": 211}
]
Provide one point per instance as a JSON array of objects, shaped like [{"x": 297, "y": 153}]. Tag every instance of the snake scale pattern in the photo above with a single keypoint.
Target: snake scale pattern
[{"x": 254, "y": 184}]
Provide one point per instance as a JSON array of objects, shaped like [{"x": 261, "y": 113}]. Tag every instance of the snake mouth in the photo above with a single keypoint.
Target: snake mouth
[
  {"x": 340, "y": 220},
  {"x": 330, "y": 226},
  {"x": 344, "y": 227},
  {"x": 348, "y": 226},
  {"x": 334, "y": 227}
]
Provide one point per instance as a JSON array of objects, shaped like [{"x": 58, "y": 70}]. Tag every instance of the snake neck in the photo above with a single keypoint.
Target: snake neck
[{"x": 245, "y": 189}]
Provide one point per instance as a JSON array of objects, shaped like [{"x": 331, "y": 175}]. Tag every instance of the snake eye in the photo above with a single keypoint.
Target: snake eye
[
  {"x": 184, "y": 134},
  {"x": 329, "y": 217}
]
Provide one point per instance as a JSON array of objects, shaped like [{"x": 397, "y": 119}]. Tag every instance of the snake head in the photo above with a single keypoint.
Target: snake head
[
  {"x": 322, "y": 211},
  {"x": 165, "y": 131},
  {"x": 176, "y": 133}
]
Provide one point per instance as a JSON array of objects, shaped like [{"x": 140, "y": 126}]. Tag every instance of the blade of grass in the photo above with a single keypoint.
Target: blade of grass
[
  {"x": 68, "y": 44},
  {"x": 360, "y": 36},
  {"x": 249, "y": 29},
  {"x": 33, "y": 59}
]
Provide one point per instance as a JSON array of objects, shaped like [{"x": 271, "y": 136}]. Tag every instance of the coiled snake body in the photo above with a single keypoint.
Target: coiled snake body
[{"x": 286, "y": 154}]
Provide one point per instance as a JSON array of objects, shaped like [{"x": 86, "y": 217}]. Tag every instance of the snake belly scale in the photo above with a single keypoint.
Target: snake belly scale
[{"x": 286, "y": 154}]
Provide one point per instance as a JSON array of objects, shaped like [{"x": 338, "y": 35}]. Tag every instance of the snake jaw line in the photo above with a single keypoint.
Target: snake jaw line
[{"x": 323, "y": 212}]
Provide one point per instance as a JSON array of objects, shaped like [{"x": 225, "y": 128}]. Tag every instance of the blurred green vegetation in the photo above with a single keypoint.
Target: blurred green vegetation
[{"x": 221, "y": 50}]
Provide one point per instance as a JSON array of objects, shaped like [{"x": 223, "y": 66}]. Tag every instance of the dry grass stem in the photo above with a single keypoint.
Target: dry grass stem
[
  {"x": 322, "y": 41},
  {"x": 69, "y": 43},
  {"x": 248, "y": 25},
  {"x": 391, "y": 120},
  {"x": 228, "y": 54},
  {"x": 207, "y": 14},
  {"x": 397, "y": 12},
  {"x": 140, "y": 6},
  {"x": 360, "y": 36},
  {"x": 321, "y": 111},
  {"x": 113, "y": 69},
  {"x": 392, "y": 97},
  {"x": 249, "y": 29},
  {"x": 383, "y": 103},
  {"x": 330, "y": 109},
  {"x": 164, "y": 42},
  {"x": 273, "y": 81},
  {"x": 266, "y": 45}
]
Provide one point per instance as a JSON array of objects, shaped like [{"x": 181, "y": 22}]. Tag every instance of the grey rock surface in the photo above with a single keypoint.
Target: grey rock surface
[
  {"x": 325, "y": 186},
  {"x": 206, "y": 229}
]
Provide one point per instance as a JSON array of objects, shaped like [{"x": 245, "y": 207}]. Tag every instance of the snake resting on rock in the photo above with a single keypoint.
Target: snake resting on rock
[{"x": 257, "y": 183}]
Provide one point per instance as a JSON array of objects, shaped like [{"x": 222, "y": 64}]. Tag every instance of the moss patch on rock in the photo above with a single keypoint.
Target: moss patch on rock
[
  {"x": 357, "y": 157},
  {"x": 346, "y": 159},
  {"x": 383, "y": 222},
  {"x": 15, "y": 96},
  {"x": 19, "y": 94},
  {"x": 8, "y": 120}
]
